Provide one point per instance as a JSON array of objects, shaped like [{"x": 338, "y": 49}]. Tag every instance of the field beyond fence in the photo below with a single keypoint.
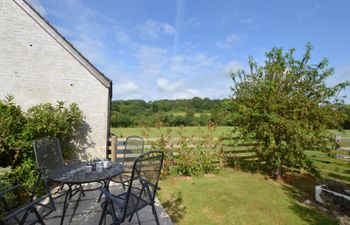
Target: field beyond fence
[{"x": 332, "y": 165}]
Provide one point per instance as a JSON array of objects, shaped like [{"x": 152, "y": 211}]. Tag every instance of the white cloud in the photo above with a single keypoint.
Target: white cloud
[
  {"x": 164, "y": 85},
  {"x": 151, "y": 59},
  {"x": 180, "y": 11},
  {"x": 229, "y": 42},
  {"x": 233, "y": 66},
  {"x": 143, "y": 69},
  {"x": 38, "y": 7},
  {"x": 153, "y": 29},
  {"x": 126, "y": 87},
  {"x": 176, "y": 90},
  {"x": 122, "y": 37}
]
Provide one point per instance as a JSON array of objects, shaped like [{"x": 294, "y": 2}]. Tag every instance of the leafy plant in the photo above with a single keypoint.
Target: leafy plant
[
  {"x": 18, "y": 131},
  {"x": 12, "y": 122},
  {"x": 188, "y": 155},
  {"x": 286, "y": 107}
]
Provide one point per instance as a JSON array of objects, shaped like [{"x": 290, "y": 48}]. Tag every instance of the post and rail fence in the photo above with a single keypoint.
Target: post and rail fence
[
  {"x": 115, "y": 147},
  {"x": 342, "y": 147}
]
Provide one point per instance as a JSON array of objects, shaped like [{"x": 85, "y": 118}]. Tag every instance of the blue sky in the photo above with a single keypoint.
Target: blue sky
[{"x": 158, "y": 49}]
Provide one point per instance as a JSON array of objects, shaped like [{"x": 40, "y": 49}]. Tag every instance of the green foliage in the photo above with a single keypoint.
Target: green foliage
[
  {"x": 180, "y": 112},
  {"x": 286, "y": 107},
  {"x": 24, "y": 174},
  {"x": 12, "y": 122},
  {"x": 5, "y": 184},
  {"x": 55, "y": 121},
  {"x": 188, "y": 155},
  {"x": 19, "y": 130},
  {"x": 345, "y": 109}
]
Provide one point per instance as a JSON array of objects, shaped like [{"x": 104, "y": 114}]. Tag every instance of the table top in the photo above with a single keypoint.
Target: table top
[{"x": 76, "y": 174}]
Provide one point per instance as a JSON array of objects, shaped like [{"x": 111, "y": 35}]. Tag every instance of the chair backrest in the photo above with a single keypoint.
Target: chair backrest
[
  {"x": 134, "y": 146},
  {"x": 15, "y": 209},
  {"x": 144, "y": 180},
  {"x": 48, "y": 153}
]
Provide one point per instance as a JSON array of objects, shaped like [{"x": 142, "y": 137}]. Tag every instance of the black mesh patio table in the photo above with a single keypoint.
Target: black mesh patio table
[{"x": 75, "y": 175}]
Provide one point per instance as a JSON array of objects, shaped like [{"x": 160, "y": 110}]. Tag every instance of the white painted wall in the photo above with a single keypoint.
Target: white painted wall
[{"x": 35, "y": 68}]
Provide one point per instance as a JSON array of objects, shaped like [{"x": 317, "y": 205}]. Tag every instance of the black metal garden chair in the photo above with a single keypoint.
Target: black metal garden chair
[
  {"x": 141, "y": 191},
  {"x": 38, "y": 205},
  {"x": 48, "y": 153},
  {"x": 134, "y": 146}
]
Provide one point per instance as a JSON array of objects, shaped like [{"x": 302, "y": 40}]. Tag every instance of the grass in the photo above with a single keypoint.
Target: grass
[
  {"x": 235, "y": 197},
  {"x": 155, "y": 132}
]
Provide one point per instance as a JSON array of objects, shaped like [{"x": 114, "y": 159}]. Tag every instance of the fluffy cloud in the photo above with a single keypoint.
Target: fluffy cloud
[
  {"x": 229, "y": 42},
  {"x": 164, "y": 85},
  {"x": 176, "y": 90},
  {"x": 233, "y": 66},
  {"x": 151, "y": 59},
  {"x": 143, "y": 69},
  {"x": 126, "y": 87},
  {"x": 153, "y": 29}
]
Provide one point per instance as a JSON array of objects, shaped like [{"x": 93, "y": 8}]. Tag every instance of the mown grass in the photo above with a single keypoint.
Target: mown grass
[{"x": 235, "y": 197}]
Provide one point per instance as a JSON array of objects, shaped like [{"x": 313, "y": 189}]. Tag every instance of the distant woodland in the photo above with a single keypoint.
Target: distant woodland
[{"x": 186, "y": 112}]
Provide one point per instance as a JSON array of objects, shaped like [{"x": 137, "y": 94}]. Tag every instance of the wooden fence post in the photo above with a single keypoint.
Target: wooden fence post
[{"x": 113, "y": 148}]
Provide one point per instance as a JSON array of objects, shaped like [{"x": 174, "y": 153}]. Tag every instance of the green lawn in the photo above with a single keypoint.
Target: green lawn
[
  {"x": 235, "y": 197},
  {"x": 155, "y": 132}
]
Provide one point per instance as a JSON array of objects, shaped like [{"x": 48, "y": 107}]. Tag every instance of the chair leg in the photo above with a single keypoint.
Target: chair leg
[
  {"x": 24, "y": 218},
  {"x": 155, "y": 214},
  {"x": 103, "y": 215},
  {"x": 40, "y": 220},
  {"x": 99, "y": 198},
  {"x": 52, "y": 203}
]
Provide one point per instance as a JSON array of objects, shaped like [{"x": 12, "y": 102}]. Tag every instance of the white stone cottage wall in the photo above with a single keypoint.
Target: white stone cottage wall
[{"x": 35, "y": 68}]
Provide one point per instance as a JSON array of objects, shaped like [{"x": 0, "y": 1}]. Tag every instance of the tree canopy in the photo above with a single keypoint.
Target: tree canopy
[
  {"x": 186, "y": 112},
  {"x": 286, "y": 107}
]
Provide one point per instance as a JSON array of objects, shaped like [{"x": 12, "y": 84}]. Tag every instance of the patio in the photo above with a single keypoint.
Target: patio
[{"x": 85, "y": 210}]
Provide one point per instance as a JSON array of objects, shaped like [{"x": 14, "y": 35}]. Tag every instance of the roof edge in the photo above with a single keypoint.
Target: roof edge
[{"x": 42, "y": 22}]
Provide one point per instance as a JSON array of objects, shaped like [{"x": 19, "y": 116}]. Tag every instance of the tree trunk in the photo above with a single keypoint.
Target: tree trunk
[{"x": 276, "y": 173}]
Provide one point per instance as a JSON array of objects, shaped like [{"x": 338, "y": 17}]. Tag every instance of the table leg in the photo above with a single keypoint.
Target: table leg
[
  {"x": 106, "y": 186},
  {"x": 66, "y": 202}
]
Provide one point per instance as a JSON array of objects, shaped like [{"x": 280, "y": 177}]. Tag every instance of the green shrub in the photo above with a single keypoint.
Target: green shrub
[
  {"x": 18, "y": 131},
  {"x": 188, "y": 155},
  {"x": 12, "y": 122}
]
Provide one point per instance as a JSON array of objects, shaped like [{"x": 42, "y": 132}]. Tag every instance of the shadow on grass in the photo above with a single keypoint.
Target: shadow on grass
[
  {"x": 174, "y": 207},
  {"x": 311, "y": 216},
  {"x": 302, "y": 188},
  {"x": 303, "y": 185}
]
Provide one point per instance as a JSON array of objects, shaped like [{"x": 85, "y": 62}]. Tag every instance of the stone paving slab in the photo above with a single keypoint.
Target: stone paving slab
[{"x": 88, "y": 210}]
